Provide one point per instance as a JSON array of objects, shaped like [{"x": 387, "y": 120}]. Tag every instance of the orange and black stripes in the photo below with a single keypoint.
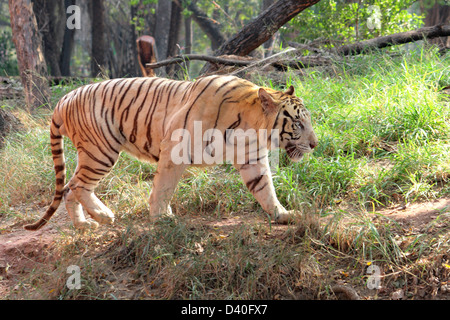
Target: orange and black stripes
[{"x": 56, "y": 143}]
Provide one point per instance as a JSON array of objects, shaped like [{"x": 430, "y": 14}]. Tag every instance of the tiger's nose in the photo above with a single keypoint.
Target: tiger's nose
[{"x": 313, "y": 143}]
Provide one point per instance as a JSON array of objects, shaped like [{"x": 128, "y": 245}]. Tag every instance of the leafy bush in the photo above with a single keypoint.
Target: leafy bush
[{"x": 345, "y": 21}]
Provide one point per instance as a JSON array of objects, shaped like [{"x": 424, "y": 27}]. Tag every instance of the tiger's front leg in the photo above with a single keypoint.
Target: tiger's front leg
[
  {"x": 164, "y": 183},
  {"x": 258, "y": 179}
]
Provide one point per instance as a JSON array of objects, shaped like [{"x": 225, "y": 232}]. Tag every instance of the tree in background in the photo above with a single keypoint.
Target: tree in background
[
  {"x": 263, "y": 27},
  {"x": 30, "y": 55},
  {"x": 98, "y": 40},
  {"x": 49, "y": 17},
  {"x": 58, "y": 40},
  {"x": 68, "y": 42},
  {"x": 174, "y": 35},
  {"x": 8, "y": 60},
  {"x": 210, "y": 27},
  {"x": 217, "y": 27}
]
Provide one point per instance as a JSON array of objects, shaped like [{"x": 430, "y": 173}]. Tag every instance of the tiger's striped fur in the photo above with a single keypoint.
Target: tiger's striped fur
[{"x": 139, "y": 115}]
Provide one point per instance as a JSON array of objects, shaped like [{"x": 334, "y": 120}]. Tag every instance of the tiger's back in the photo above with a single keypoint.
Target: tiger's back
[{"x": 134, "y": 115}]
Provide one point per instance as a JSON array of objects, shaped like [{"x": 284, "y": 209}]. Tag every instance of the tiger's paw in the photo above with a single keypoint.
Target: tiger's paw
[
  {"x": 86, "y": 225},
  {"x": 106, "y": 220},
  {"x": 102, "y": 217},
  {"x": 161, "y": 215},
  {"x": 288, "y": 217}
]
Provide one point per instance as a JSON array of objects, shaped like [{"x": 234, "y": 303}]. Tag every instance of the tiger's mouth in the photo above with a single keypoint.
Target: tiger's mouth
[{"x": 294, "y": 153}]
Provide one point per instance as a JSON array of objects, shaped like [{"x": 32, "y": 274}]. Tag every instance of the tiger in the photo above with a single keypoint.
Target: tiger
[{"x": 139, "y": 116}]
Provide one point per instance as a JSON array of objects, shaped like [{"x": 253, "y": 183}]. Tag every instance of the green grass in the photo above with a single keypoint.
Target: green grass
[{"x": 383, "y": 128}]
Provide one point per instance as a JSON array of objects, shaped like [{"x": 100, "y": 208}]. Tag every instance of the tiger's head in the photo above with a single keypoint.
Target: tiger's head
[{"x": 292, "y": 120}]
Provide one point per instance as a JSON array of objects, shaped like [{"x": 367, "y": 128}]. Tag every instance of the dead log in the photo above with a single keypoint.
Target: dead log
[
  {"x": 10, "y": 88},
  {"x": 10, "y": 93},
  {"x": 394, "y": 39}
]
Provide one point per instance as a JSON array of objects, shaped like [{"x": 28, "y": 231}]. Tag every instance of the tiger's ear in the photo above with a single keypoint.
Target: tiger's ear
[
  {"x": 268, "y": 105},
  {"x": 290, "y": 91}
]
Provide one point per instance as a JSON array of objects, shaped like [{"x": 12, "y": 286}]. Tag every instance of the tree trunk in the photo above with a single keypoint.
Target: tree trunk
[
  {"x": 68, "y": 43},
  {"x": 207, "y": 25},
  {"x": 187, "y": 40},
  {"x": 30, "y": 55},
  {"x": 162, "y": 27},
  {"x": 133, "y": 62},
  {"x": 268, "y": 45},
  {"x": 146, "y": 54},
  {"x": 44, "y": 11},
  {"x": 98, "y": 40},
  {"x": 174, "y": 33},
  {"x": 263, "y": 27}
]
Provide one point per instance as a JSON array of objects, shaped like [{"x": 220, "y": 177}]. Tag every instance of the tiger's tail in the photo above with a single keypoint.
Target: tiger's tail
[{"x": 57, "y": 144}]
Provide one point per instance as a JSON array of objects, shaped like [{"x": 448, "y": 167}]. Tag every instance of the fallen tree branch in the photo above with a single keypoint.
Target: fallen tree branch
[
  {"x": 394, "y": 39},
  {"x": 10, "y": 92},
  {"x": 212, "y": 59},
  {"x": 274, "y": 60}
]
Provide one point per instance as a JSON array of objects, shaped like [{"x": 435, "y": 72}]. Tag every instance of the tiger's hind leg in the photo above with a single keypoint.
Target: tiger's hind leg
[{"x": 90, "y": 170}]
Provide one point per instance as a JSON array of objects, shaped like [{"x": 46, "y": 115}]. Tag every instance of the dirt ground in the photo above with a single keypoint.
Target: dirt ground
[{"x": 22, "y": 251}]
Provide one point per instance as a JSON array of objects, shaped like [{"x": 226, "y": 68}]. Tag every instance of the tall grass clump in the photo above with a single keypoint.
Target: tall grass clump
[{"x": 26, "y": 171}]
